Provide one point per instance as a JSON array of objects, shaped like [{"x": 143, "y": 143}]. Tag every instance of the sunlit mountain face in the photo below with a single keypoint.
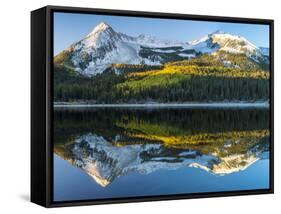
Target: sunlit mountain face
[
  {"x": 111, "y": 143},
  {"x": 110, "y": 67},
  {"x": 104, "y": 46}
]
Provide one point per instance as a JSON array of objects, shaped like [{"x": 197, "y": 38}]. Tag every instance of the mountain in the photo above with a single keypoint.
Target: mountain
[
  {"x": 104, "y": 46},
  {"x": 222, "y": 41}
]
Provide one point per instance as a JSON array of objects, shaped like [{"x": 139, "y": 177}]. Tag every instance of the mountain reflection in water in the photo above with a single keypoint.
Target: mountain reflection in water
[{"x": 109, "y": 143}]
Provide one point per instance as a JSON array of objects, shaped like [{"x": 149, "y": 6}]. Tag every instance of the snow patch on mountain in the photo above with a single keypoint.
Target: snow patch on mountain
[
  {"x": 151, "y": 41},
  {"x": 186, "y": 55},
  {"x": 235, "y": 44},
  {"x": 225, "y": 42},
  {"x": 204, "y": 45}
]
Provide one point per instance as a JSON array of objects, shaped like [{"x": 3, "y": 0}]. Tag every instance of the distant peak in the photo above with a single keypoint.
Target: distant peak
[
  {"x": 217, "y": 32},
  {"x": 144, "y": 36},
  {"x": 100, "y": 27}
]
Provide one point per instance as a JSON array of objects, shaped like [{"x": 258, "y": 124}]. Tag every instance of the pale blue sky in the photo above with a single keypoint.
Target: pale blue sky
[{"x": 71, "y": 27}]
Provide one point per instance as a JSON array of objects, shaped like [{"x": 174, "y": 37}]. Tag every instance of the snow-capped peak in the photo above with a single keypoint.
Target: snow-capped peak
[
  {"x": 228, "y": 36},
  {"x": 235, "y": 44},
  {"x": 99, "y": 28},
  {"x": 101, "y": 35},
  {"x": 206, "y": 37},
  {"x": 218, "y": 32},
  {"x": 223, "y": 41}
]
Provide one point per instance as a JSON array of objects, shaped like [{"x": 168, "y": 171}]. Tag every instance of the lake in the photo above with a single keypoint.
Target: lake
[{"x": 104, "y": 153}]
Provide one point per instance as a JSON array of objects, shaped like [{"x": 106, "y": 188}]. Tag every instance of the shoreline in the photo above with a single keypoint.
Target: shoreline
[{"x": 170, "y": 105}]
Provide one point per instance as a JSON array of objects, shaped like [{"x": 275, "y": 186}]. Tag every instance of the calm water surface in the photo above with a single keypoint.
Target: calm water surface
[{"x": 107, "y": 152}]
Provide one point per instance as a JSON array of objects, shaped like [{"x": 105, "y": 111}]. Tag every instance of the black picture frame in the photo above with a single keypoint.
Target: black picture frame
[{"x": 42, "y": 107}]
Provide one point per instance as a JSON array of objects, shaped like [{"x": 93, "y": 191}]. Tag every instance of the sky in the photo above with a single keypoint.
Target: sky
[{"x": 72, "y": 27}]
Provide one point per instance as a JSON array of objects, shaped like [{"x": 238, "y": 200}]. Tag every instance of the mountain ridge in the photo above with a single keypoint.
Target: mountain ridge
[{"x": 104, "y": 46}]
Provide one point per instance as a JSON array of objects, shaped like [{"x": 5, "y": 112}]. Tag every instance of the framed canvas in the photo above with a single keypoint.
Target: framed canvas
[{"x": 131, "y": 106}]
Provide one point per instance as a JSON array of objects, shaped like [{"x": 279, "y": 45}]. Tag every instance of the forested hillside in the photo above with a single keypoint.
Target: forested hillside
[{"x": 206, "y": 78}]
